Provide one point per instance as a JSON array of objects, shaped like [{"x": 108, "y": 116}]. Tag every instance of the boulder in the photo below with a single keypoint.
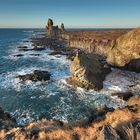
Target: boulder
[
  {"x": 125, "y": 51},
  {"x": 87, "y": 72},
  {"x": 36, "y": 76}
]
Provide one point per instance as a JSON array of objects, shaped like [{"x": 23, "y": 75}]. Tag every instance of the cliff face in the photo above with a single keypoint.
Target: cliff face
[
  {"x": 92, "y": 41},
  {"x": 90, "y": 45},
  {"x": 125, "y": 49}
]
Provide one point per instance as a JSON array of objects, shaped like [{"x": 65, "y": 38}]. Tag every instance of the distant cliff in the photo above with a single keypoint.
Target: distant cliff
[{"x": 92, "y": 41}]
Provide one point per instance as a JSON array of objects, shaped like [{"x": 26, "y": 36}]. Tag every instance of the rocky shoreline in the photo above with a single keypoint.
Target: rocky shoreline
[
  {"x": 88, "y": 51},
  {"x": 105, "y": 124}
]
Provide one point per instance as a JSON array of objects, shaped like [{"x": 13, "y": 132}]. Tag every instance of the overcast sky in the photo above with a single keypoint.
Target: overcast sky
[{"x": 74, "y": 13}]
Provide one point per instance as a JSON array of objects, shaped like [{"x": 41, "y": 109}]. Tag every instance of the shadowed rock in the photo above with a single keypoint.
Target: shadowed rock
[
  {"x": 125, "y": 51},
  {"x": 87, "y": 72},
  {"x": 6, "y": 121},
  {"x": 18, "y": 55},
  {"x": 22, "y": 47},
  {"x": 37, "y": 75},
  {"x": 52, "y": 31},
  {"x": 124, "y": 96}
]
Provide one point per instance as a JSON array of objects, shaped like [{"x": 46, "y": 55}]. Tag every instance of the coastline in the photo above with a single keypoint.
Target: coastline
[{"x": 49, "y": 129}]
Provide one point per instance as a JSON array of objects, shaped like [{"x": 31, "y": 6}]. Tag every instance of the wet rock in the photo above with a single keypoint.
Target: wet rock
[
  {"x": 133, "y": 65},
  {"x": 35, "y": 54},
  {"x": 38, "y": 49},
  {"x": 55, "y": 53},
  {"x": 124, "y": 96},
  {"x": 6, "y": 120},
  {"x": 18, "y": 55},
  {"x": 87, "y": 72},
  {"x": 22, "y": 47},
  {"x": 37, "y": 75},
  {"x": 125, "y": 51}
]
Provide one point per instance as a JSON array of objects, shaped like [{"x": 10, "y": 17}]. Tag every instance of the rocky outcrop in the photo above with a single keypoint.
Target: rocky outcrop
[
  {"x": 36, "y": 76},
  {"x": 35, "y": 48},
  {"x": 87, "y": 71},
  {"x": 52, "y": 31},
  {"x": 91, "y": 41},
  {"x": 90, "y": 45},
  {"x": 7, "y": 122},
  {"x": 62, "y": 28},
  {"x": 125, "y": 51}
]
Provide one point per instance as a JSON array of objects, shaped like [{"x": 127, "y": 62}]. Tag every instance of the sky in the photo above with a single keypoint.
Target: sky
[{"x": 73, "y": 13}]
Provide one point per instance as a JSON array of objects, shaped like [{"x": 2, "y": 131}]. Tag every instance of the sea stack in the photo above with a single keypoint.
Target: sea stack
[
  {"x": 87, "y": 72},
  {"x": 52, "y": 31},
  {"x": 62, "y": 27}
]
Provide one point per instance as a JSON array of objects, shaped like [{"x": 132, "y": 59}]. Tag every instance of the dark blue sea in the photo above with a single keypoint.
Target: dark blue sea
[{"x": 54, "y": 99}]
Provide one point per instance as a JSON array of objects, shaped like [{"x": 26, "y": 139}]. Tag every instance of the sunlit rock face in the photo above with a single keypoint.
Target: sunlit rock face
[
  {"x": 125, "y": 50},
  {"x": 87, "y": 72},
  {"x": 52, "y": 31}
]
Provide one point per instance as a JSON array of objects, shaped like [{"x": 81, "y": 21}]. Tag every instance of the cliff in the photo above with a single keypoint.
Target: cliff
[
  {"x": 125, "y": 51},
  {"x": 92, "y": 41}
]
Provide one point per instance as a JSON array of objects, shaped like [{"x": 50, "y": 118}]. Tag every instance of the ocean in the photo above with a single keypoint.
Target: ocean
[{"x": 54, "y": 99}]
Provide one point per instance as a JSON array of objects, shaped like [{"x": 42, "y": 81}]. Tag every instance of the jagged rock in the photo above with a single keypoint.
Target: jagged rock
[
  {"x": 22, "y": 47},
  {"x": 33, "y": 49},
  {"x": 50, "y": 22},
  {"x": 108, "y": 133},
  {"x": 52, "y": 31},
  {"x": 6, "y": 121},
  {"x": 87, "y": 72},
  {"x": 125, "y": 50},
  {"x": 37, "y": 75},
  {"x": 62, "y": 27},
  {"x": 99, "y": 113},
  {"x": 55, "y": 52},
  {"x": 124, "y": 96},
  {"x": 35, "y": 54},
  {"x": 18, "y": 55}
]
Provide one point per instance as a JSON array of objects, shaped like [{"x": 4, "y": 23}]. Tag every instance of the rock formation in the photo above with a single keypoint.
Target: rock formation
[
  {"x": 6, "y": 121},
  {"x": 87, "y": 71},
  {"x": 52, "y": 31},
  {"x": 62, "y": 27},
  {"x": 37, "y": 75},
  {"x": 125, "y": 51},
  {"x": 92, "y": 41}
]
